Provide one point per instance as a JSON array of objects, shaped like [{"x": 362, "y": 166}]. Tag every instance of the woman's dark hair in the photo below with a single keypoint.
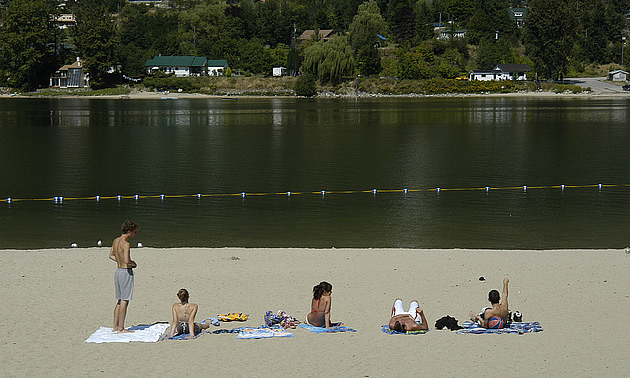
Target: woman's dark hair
[
  {"x": 319, "y": 290},
  {"x": 182, "y": 294}
]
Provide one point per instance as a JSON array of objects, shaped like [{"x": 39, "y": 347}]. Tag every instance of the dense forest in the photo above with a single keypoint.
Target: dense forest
[{"x": 392, "y": 38}]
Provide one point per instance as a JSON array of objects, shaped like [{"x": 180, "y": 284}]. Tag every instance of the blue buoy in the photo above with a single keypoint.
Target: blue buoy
[
  {"x": 243, "y": 194},
  {"x": 405, "y": 190},
  {"x": 374, "y": 191},
  {"x": 600, "y": 187},
  {"x": 136, "y": 197},
  {"x": 524, "y": 188},
  {"x": 437, "y": 190},
  {"x": 162, "y": 197},
  {"x": 562, "y": 187},
  {"x": 119, "y": 197},
  {"x": 198, "y": 195},
  {"x": 9, "y": 200},
  {"x": 323, "y": 193},
  {"x": 288, "y": 193},
  {"x": 98, "y": 198},
  {"x": 487, "y": 189}
]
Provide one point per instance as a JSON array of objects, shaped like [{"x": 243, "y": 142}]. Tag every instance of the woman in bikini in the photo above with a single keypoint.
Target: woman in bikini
[
  {"x": 184, "y": 317},
  {"x": 320, "y": 306}
]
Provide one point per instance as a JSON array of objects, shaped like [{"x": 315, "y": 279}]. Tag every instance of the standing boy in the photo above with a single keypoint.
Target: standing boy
[{"x": 123, "y": 279}]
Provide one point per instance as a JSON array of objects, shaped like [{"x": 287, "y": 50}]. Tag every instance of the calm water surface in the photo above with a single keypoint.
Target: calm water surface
[{"x": 88, "y": 147}]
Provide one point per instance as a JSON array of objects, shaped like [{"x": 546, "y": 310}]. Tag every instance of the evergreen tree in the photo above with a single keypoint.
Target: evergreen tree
[
  {"x": 26, "y": 37},
  {"x": 363, "y": 36},
  {"x": 549, "y": 36}
]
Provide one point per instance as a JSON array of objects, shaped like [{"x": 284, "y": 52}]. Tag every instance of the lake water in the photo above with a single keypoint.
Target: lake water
[{"x": 81, "y": 148}]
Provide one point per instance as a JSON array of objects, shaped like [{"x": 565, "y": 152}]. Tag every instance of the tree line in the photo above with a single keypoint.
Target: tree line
[{"x": 394, "y": 38}]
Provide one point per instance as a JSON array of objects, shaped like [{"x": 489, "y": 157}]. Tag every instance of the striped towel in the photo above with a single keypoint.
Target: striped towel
[
  {"x": 516, "y": 327},
  {"x": 337, "y": 328},
  {"x": 385, "y": 328}
]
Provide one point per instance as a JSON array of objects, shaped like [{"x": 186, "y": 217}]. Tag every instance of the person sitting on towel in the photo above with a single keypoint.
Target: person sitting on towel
[
  {"x": 412, "y": 320},
  {"x": 184, "y": 317},
  {"x": 496, "y": 316},
  {"x": 320, "y": 306}
]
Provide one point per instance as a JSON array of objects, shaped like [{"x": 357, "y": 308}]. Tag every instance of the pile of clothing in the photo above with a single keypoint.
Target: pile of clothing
[{"x": 281, "y": 318}]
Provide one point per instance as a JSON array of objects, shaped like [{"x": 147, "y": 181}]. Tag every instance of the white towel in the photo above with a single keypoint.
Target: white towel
[{"x": 144, "y": 333}]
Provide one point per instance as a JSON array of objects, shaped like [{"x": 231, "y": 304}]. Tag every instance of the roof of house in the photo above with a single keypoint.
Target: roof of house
[
  {"x": 323, "y": 34},
  {"x": 75, "y": 64},
  {"x": 217, "y": 63},
  {"x": 485, "y": 71},
  {"x": 182, "y": 61},
  {"x": 617, "y": 71},
  {"x": 513, "y": 67}
]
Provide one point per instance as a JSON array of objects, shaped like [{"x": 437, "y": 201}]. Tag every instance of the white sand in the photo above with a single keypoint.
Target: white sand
[{"x": 54, "y": 299}]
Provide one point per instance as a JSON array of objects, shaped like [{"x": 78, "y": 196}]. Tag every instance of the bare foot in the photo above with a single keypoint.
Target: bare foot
[{"x": 125, "y": 331}]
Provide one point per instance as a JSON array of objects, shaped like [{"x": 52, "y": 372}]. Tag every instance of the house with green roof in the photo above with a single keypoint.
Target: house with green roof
[
  {"x": 179, "y": 65},
  {"x": 217, "y": 67}
]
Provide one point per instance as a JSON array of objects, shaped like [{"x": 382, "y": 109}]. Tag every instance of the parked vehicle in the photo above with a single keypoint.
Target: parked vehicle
[{"x": 626, "y": 87}]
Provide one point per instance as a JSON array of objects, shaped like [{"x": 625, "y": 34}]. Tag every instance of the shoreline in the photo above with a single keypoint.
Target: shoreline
[
  {"x": 145, "y": 95},
  {"x": 66, "y": 294}
]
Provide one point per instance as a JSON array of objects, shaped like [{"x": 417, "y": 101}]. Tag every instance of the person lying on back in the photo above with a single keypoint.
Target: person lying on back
[{"x": 412, "y": 320}]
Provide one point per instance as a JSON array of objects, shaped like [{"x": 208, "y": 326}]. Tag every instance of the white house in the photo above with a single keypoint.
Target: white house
[
  {"x": 484, "y": 75},
  {"x": 70, "y": 76},
  {"x": 279, "y": 71},
  {"x": 217, "y": 67},
  {"x": 618, "y": 75},
  {"x": 501, "y": 72},
  {"x": 179, "y": 65}
]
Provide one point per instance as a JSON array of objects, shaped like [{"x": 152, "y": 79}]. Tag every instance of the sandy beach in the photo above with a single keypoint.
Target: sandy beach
[{"x": 54, "y": 299}]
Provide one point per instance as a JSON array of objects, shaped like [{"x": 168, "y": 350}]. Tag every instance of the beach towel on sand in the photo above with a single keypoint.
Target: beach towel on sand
[
  {"x": 263, "y": 332},
  {"x": 339, "y": 327},
  {"x": 516, "y": 327},
  {"x": 147, "y": 333},
  {"x": 232, "y": 316},
  {"x": 385, "y": 328}
]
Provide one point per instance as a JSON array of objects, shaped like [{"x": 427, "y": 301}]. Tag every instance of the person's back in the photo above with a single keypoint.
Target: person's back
[
  {"x": 497, "y": 315},
  {"x": 184, "y": 316},
  {"x": 320, "y": 306}
]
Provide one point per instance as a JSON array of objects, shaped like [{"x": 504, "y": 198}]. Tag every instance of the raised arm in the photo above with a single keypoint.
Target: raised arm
[{"x": 504, "y": 302}]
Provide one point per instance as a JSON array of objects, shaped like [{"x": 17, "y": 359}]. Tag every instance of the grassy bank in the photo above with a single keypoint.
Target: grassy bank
[{"x": 284, "y": 86}]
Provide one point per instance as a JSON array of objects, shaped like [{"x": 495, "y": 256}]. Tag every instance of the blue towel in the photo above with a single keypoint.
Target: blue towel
[
  {"x": 263, "y": 332},
  {"x": 337, "y": 328},
  {"x": 385, "y": 328},
  {"x": 516, "y": 327}
]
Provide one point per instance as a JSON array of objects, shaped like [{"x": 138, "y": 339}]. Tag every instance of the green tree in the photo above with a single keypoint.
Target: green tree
[
  {"x": 363, "y": 36},
  {"x": 293, "y": 62},
  {"x": 26, "y": 37},
  {"x": 549, "y": 36},
  {"x": 416, "y": 62},
  {"x": 329, "y": 61},
  {"x": 424, "y": 20},
  {"x": 96, "y": 39},
  {"x": 305, "y": 85}
]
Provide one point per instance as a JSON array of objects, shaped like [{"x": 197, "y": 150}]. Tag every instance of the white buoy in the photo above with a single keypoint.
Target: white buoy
[
  {"x": 119, "y": 197},
  {"x": 198, "y": 195},
  {"x": 162, "y": 197},
  {"x": 524, "y": 188},
  {"x": 73, "y": 245},
  {"x": 562, "y": 187},
  {"x": 139, "y": 245},
  {"x": 599, "y": 186},
  {"x": 137, "y": 197},
  {"x": 9, "y": 200},
  {"x": 323, "y": 193},
  {"x": 98, "y": 198},
  {"x": 437, "y": 190},
  {"x": 243, "y": 194},
  {"x": 99, "y": 243},
  {"x": 374, "y": 191},
  {"x": 405, "y": 190},
  {"x": 487, "y": 189},
  {"x": 289, "y": 194}
]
